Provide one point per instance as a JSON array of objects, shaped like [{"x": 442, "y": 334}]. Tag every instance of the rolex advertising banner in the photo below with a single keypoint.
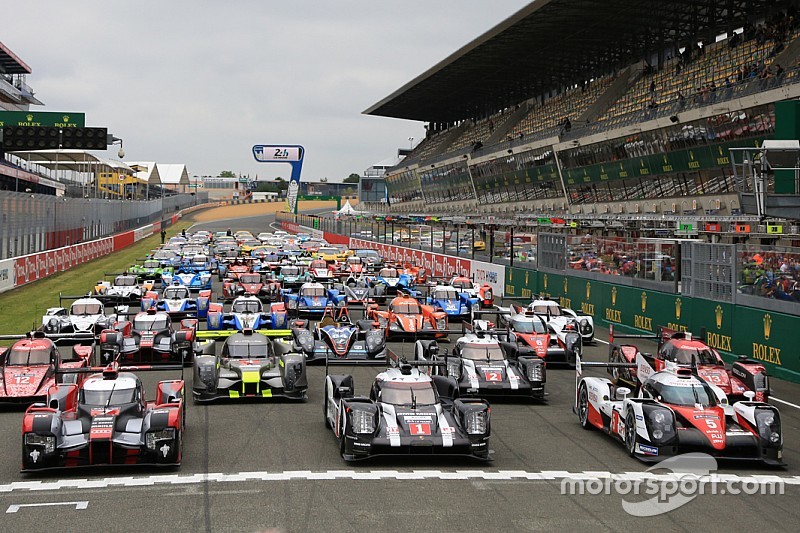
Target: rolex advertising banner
[{"x": 42, "y": 118}]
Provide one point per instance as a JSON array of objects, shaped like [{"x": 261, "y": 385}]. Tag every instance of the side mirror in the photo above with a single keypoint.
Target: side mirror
[
  {"x": 749, "y": 395},
  {"x": 623, "y": 392}
]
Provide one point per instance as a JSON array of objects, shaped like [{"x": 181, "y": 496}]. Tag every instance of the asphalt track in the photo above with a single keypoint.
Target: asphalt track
[{"x": 258, "y": 466}]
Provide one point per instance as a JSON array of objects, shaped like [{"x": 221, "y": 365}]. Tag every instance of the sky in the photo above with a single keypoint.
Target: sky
[{"x": 201, "y": 82}]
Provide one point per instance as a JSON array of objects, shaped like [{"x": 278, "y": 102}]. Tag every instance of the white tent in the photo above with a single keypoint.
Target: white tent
[{"x": 347, "y": 209}]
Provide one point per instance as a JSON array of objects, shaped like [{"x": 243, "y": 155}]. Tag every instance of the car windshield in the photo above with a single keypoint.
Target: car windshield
[
  {"x": 528, "y": 326},
  {"x": 176, "y": 293},
  {"x": 199, "y": 260},
  {"x": 250, "y": 278},
  {"x": 163, "y": 255},
  {"x": 248, "y": 351},
  {"x": 150, "y": 323},
  {"x": 353, "y": 260},
  {"x": 445, "y": 294},
  {"x": 24, "y": 357},
  {"x": 102, "y": 398},
  {"x": 290, "y": 271},
  {"x": 405, "y": 308},
  {"x": 329, "y": 251},
  {"x": 482, "y": 352},
  {"x": 312, "y": 291},
  {"x": 151, "y": 264},
  {"x": 319, "y": 264},
  {"x": 246, "y": 306},
  {"x": 125, "y": 281},
  {"x": 700, "y": 356},
  {"x": 399, "y": 393},
  {"x": 86, "y": 309},
  {"x": 552, "y": 310},
  {"x": 388, "y": 273},
  {"x": 690, "y": 393},
  {"x": 462, "y": 284}
]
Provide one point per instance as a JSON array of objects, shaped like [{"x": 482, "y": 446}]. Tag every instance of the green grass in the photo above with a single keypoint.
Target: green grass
[{"x": 21, "y": 309}]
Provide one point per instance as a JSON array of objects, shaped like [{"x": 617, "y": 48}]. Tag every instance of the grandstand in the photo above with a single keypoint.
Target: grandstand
[{"x": 592, "y": 109}]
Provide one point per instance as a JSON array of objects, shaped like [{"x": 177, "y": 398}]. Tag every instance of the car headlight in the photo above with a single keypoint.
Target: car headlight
[
  {"x": 207, "y": 374},
  {"x": 383, "y": 321},
  {"x": 476, "y": 306},
  {"x": 394, "y": 326},
  {"x": 660, "y": 424},
  {"x": 291, "y": 304},
  {"x": 534, "y": 373},
  {"x": 53, "y": 325},
  {"x": 47, "y": 441},
  {"x": 306, "y": 340},
  {"x": 487, "y": 295},
  {"x": 476, "y": 422},
  {"x": 375, "y": 340},
  {"x": 363, "y": 422},
  {"x": 154, "y": 438},
  {"x": 769, "y": 427},
  {"x": 441, "y": 323}
]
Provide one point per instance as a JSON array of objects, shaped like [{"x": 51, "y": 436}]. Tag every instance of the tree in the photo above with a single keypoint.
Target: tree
[
  {"x": 227, "y": 174},
  {"x": 352, "y": 178}
]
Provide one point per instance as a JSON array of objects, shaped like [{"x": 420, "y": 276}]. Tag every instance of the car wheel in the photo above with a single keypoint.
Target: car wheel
[
  {"x": 630, "y": 434},
  {"x": 583, "y": 407},
  {"x": 325, "y": 411}
]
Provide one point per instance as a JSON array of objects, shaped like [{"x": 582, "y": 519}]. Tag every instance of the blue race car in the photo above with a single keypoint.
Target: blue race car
[
  {"x": 195, "y": 281},
  {"x": 177, "y": 301},
  {"x": 393, "y": 281},
  {"x": 312, "y": 298},
  {"x": 199, "y": 263},
  {"x": 247, "y": 312},
  {"x": 457, "y": 305}
]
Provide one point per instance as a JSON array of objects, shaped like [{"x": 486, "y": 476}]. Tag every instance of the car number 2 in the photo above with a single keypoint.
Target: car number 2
[{"x": 493, "y": 376}]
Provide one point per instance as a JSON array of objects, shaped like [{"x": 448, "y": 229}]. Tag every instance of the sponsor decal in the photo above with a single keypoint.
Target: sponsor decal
[{"x": 647, "y": 450}]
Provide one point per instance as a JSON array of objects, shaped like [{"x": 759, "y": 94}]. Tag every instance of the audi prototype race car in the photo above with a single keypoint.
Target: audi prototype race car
[
  {"x": 247, "y": 312},
  {"x": 676, "y": 411},
  {"x": 105, "y": 420},
  {"x": 312, "y": 298},
  {"x": 407, "y": 412},
  {"x": 336, "y": 337},
  {"x": 85, "y": 315},
  {"x": 483, "y": 366},
  {"x": 250, "y": 366},
  {"x": 177, "y": 301},
  {"x": 405, "y": 316},
  {"x": 29, "y": 367},
  {"x": 677, "y": 349}
]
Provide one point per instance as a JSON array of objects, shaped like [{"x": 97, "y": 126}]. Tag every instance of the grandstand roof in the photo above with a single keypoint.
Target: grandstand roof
[
  {"x": 173, "y": 174},
  {"x": 10, "y": 63},
  {"x": 146, "y": 171},
  {"x": 551, "y": 44}
]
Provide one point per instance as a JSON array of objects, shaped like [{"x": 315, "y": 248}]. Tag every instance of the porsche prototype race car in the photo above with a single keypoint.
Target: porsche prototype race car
[
  {"x": 249, "y": 366},
  {"x": 337, "y": 337},
  {"x": 105, "y": 420},
  {"x": 676, "y": 411},
  {"x": 177, "y": 301},
  {"x": 407, "y": 412},
  {"x": 247, "y": 312}
]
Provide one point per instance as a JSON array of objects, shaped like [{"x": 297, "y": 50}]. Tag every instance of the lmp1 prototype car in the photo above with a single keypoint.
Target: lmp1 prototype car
[
  {"x": 177, "y": 301},
  {"x": 85, "y": 315},
  {"x": 678, "y": 349},
  {"x": 312, "y": 298},
  {"x": 29, "y": 367},
  {"x": 407, "y": 412},
  {"x": 405, "y": 316},
  {"x": 105, "y": 421},
  {"x": 457, "y": 305},
  {"x": 676, "y": 411},
  {"x": 534, "y": 336},
  {"x": 124, "y": 288},
  {"x": 562, "y": 319},
  {"x": 484, "y": 366},
  {"x": 337, "y": 337},
  {"x": 249, "y": 367},
  {"x": 247, "y": 312}
]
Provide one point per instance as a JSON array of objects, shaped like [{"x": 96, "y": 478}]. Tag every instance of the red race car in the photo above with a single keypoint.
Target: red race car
[
  {"x": 405, "y": 316},
  {"x": 678, "y": 349},
  {"x": 251, "y": 283},
  {"x": 29, "y": 367}
]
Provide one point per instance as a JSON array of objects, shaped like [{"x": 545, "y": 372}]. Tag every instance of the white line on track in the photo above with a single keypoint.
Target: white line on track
[
  {"x": 79, "y": 506},
  {"x": 350, "y": 475}
]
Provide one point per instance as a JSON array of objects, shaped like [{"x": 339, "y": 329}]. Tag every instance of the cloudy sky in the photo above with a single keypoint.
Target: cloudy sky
[{"x": 200, "y": 82}]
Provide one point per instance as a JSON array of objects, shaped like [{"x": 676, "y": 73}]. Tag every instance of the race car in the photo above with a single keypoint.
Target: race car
[
  {"x": 561, "y": 319},
  {"x": 251, "y": 284},
  {"x": 676, "y": 412},
  {"x": 312, "y": 298},
  {"x": 150, "y": 269},
  {"x": 150, "y": 337},
  {"x": 234, "y": 269},
  {"x": 482, "y": 365},
  {"x": 195, "y": 281},
  {"x": 249, "y": 367},
  {"x": 330, "y": 254},
  {"x": 167, "y": 258},
  {"x": 177, "y": 301},
  {"x": 359, "y": 291},
  {"x": 337, "y": 337},
  {"x": 124, "y": 288},
  {"x": 483, "y": 292},
  {"x": 199, "y": 262},
  {"x": 105, "y": 420},
  {"x": 392, "y": 280},
  {"x": 85, "y": 315},
  {"x": 407, "y": 412},
  {"x": 29, "y": 366},
  {"x": 319, "y": 271},
  {"x": 371, "y": 259},
  {"x": 677, "y": 349},
  {"x": 292, "y": 276},
  {"x": 534, "y": 336},
  {"x": 246, "y": 312},
  {"x": 457, "y": 305},
  {"x": 352, "y": 265},
  {"x": 405, "y": 316}
]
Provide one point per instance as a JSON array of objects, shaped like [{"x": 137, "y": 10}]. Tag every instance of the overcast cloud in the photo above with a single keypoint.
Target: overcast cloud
[{"x": 200, "y": 82}]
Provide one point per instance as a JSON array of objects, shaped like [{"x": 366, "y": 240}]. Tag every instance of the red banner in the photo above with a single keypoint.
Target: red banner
[
  {"x": 32, "y": 267},
  {"x": 334, "y": 238},
  {"x": 124, "y": 239},
  {"x": 437, "y": 264}
]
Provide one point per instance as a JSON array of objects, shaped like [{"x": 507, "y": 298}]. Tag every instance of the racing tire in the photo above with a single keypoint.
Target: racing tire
[
  {"x": 325, "y": 411},
  {"x": 583, "y": 407},
  {"x": 630, "y": 434}
]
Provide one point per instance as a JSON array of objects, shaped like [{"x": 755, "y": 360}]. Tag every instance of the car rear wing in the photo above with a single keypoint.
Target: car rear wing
[
  {"x": 398, "y": 360},
  {"x": 613, "y": 335},
  {"x": 225, "y": 333},
  {"x": 39, "y": 334}
]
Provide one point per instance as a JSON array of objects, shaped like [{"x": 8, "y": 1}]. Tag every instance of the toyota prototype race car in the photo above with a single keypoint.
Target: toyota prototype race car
[
  {"x": 178, "y": 302},
  {"x": 250, "y": 366},
  {"x": 337, "y": 337},
  {"x": 86, "y": 314},
  {"x": 105, "y": 421},
  {"x": 680, "y": 349},
  {"x": 457, "y": 305},
  {"x": 561, "y": 319},
  {"x": 406, "y": 317},
  {"x": 247, "y": 312},
  {"x": 407, "y": 412},
  {"x": 676, "y": 411},
  {"x": 29, "y": 366},
  {"x": 482, "y": 365},
  {"x": 535, "y": 336}
]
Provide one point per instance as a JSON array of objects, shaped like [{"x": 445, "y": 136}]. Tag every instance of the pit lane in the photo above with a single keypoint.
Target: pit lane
[{"x": 265, "y": 440}]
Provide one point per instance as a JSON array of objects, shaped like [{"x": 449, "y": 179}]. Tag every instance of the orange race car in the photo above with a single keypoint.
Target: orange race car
[{"x": 405, "y": 316}]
